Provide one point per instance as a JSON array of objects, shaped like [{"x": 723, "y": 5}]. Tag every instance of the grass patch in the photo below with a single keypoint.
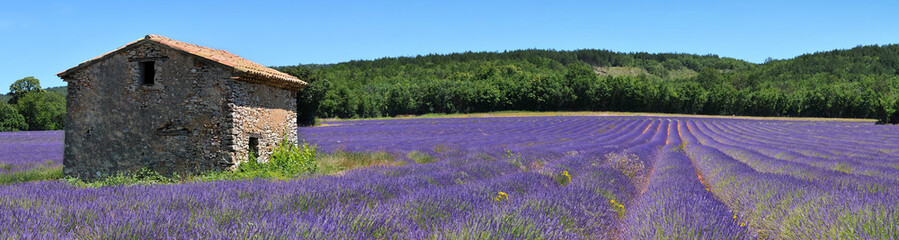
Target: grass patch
[
  {"x": 420, "y": 157},
  {"x": 288, "y": 161},
  {"x": 843, "y": 167},
  {"x": 42, "y": 172},
  {"x": 341, "y": 161},
  {"x": 682, "y": 147},
  {"x": 143, "y": 176},
  {"x": 620, "y": 71},
  {"x": 681, "y": 73}
]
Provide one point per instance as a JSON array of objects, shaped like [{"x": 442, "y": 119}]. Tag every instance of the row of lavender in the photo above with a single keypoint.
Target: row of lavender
[
  {"x": 796, "y": 189},
  {"x": 502, "y": 178}
]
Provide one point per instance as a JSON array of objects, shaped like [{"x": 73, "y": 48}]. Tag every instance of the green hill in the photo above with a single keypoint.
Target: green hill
[
  {"x": 858, "y": 82},
  {"x": 870, "y": 67},
  {"x": 862, "y": 82},
  {"x": 854, "y": 83}
]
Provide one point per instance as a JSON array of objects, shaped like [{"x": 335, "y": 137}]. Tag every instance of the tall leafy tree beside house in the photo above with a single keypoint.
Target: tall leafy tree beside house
[
  {"x": 43, "y": 110},
  {"x": 32, "y": 108},
  {"x": 23, "y": 86},
  {"x": 10, "y": 119}
]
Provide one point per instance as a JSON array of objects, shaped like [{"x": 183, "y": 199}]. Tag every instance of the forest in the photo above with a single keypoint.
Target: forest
[
  {"x": 29, "y": 107},
  {"x": 862, "y": 82}
]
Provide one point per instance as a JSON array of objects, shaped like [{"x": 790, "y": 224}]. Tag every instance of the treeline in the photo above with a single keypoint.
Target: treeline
[
  {"x": 862, "y": 82},
  {"x": 28, "y": 107},
  {"x": 857, "y": 83}
]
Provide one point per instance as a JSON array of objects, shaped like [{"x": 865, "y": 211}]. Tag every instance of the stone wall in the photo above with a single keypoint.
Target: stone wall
[
  {"x": 264, "y": 112},
  {"x": 182, "y": 123}
]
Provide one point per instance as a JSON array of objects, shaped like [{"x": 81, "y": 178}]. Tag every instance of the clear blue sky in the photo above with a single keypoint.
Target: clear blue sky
[{"x": 40, "y": 38}]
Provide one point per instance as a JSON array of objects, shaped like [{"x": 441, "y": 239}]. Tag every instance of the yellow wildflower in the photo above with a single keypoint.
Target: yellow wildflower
[
  {"x": 612, "y": 201},
  {"x": 563, "y": 178},
  {"x": 501, "y": 196}
]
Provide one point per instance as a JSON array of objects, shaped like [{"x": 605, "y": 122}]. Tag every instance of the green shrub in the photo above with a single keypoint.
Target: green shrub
[
  {"x": 287, "y": 159},
  {"x": 290, "y": 158}
]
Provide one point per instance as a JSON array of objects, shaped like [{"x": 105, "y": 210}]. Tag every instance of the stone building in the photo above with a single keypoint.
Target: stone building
[{"x": 173, "y": 107}]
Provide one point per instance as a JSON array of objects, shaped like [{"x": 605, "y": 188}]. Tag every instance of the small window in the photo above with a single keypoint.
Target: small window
[
  {"x": 254, "y": 147},
  {"x": 147, "y": 72}
]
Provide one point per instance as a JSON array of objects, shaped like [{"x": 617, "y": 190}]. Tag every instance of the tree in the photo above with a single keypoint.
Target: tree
[
  {"x": 581, "y": 77},
  {"x": 721, "y": 100},
  {"x": 894, "y": 117},
  {"x": 709, "y": 77},
  {"x": 10, "y": 119},
  {"x": 43, "y": 110},
  {"x": 693, "y": 97},
  {"x": 309, "y": 98},
  {"x": 23, "y": 86}
]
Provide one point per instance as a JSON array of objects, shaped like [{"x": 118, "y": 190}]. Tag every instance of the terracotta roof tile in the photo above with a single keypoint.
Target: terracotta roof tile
[{"x": 252, "y": 72}]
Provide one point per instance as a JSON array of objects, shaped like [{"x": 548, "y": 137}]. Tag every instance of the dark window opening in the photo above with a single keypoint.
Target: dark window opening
[
  {"x": 254, "y": 147},
  {"x": 147, "y": 72}
]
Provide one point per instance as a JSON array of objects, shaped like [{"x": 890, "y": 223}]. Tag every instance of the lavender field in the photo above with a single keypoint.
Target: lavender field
[
  {"x": 506, "y": 178},
  {"x": 22, "y": 151}
]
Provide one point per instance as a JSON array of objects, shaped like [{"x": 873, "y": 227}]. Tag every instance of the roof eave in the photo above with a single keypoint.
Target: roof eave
[
  {"x": 284, "y": 82},
  {"x": 84, "y": 64},
  {"x": 289, "y": 84}
]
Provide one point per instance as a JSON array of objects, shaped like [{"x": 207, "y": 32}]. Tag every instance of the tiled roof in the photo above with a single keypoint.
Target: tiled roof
[{"x": 251, "y": 71}]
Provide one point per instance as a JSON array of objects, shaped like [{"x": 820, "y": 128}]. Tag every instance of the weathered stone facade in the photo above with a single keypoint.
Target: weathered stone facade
[
  {"x": 197, "y": 115},
  {"x": 264, "y": 112}
]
